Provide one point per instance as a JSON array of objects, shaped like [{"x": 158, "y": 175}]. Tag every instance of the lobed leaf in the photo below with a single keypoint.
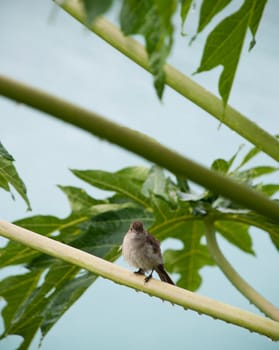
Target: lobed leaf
[
  {"x": 236, "y": 233},
  {"x": 115, "y": 182},
  {"x": 188, "y": 261},
  {"x": 78, "y": 198},
  {"x": 185, "y": 7},
  {"x": 180, "y": 224},
  {"x": 224, "y": 44},
  {"x": 209, "y": 10}
]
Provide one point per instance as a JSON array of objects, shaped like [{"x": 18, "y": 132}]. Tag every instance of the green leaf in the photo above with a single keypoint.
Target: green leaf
[
  {"x": 155, "y": 183},
  {"x": 136, "y": 173},
  {"x": 208, "y": 10},
  {"x": 9, "y": 175},
  {"x": 224, "y": 44},
  {"x": 258, "y": 171},
  {"x": 255, "y": 20},
  {"x": 256, "y": 220},
  {"x": 268, "y": 189},
  {"x": 236, "y": 233},
  {"x": 17, "y": 291},
  {"x": 250, "y": 155},
  {"x": 185, "y": 7},
  {"x": 63, "y": 298},
  {"x": 5, "y": 154},
  {"x": 113, "y": 182},
  {"x": 152, "y": 20},
  {"x": 188, "y": 261},
  {"x": 95, "y": 8},
  {"x": 220, "y": 165},
  {"x": 78, "y": 198}
]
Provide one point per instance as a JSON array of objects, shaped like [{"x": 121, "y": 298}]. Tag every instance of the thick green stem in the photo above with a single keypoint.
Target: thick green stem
[
  {"x": 161, "y": 290},
  {"x": 140, "y": 144},
  {"x": 249, "y": 292},
  {"x": 179, "y": 82}
]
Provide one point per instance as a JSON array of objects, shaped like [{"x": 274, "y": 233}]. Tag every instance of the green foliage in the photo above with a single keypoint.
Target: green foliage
[
  {"x": 209, "y": 10},
  {"x": 153, "y": 19},
  {"x": 167, "y": 206},
  {"x": 9, "y": 175},
  {"x": 224, "y": 43}
]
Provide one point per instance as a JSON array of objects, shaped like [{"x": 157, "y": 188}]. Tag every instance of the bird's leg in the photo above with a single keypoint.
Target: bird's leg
[
  {"x": 139, "y": 272},
  {"x": 147, "y": 278}
]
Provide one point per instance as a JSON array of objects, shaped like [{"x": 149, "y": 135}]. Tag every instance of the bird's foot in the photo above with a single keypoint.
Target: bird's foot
[
  {"x": 147, "y": 278},
  {"x": 139, "y": 272}
]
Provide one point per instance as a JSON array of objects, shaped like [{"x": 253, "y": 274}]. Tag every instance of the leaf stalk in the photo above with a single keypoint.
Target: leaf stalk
[
  {"x": 248, "y": 291},
  {"x": 173, "y": 294},
  {"x": 140, "y": 144}
]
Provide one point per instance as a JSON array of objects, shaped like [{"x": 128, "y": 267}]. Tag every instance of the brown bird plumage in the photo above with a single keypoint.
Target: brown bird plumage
[{"x": 142, "y": 250}]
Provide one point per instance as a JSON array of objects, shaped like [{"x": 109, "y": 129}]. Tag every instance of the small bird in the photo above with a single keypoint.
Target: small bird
[{"x": 142, "y": 250}]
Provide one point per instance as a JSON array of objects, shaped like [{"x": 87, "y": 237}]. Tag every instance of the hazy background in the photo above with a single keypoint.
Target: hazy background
[{"x": 50, "y": 50}]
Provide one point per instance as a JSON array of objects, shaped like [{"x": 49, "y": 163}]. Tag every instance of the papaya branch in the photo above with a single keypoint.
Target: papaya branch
[
  {"x": 140, "y": 144},
  {"x": 173, "y": 294},
  {"x": 248, "y": 291}
]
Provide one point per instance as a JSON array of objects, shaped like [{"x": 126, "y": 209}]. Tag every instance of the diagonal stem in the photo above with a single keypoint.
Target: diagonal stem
[
  {"x": 165, "y": 291},
  {"x": 248, "y": 291},
  {"x": 140, "y": 144}
]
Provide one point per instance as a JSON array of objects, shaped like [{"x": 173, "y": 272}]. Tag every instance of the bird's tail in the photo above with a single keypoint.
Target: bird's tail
[{"x": 163, "y": 274}]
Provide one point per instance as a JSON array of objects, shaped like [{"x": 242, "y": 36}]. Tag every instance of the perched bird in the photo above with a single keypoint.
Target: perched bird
[{"x": 142, "y": 250}]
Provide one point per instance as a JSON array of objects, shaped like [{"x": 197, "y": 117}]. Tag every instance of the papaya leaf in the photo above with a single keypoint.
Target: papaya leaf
[
  {"x": 63, "y": 298},
  {"x": 136, "y": 173},
  {"x": 185, "y": 8},
  {"x": 9, "y": 175},
  {"x": 78, "y": 198},
  {"x": 249, "y": 155},
  {"x": 256, "y": 220},
  {"x": 113, "y": 182},
  {"x": 268, "y": 189},
  {"x": 220, "y": 165},
  {"x": 209, "y": 10},
  {"x": 180, "y": 224},
  {"x": 18, "y": 291},
  {"x": 224, "y": 44},
  {"x": 157, "y": 184},
  {"x": 188, "y": 261},
  {"x": 236, "y": 233},
  {"x": 255, "y": 20},
  {"x": 152, "y": 20},
  {"x": 258, "y": 171}
]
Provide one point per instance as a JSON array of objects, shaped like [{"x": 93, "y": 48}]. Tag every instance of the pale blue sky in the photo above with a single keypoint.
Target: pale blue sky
[{"x": 52, "y": 51}]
